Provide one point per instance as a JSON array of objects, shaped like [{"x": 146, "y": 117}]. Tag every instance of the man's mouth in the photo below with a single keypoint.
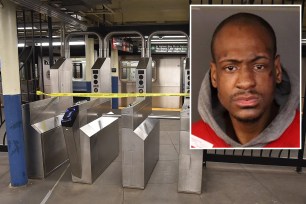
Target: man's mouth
[{"x": 245, "y": 101}]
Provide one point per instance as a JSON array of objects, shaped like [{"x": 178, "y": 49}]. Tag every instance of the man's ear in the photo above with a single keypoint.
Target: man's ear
[
  {"x": 213, "y": 74},
  {"x": 278, "y": 69}
]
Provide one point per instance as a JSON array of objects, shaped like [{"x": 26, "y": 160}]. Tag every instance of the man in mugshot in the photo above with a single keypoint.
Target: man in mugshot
[{"x": 246, "y": 98}]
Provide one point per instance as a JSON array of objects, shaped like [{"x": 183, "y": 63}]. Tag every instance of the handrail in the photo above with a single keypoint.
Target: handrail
[{"x": 67, "y": 47}]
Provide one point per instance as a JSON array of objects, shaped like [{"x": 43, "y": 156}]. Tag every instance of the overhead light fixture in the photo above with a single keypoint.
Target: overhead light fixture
[
  {"x": 168, "y": 40},
  {"x": 166, "y": 36},
  {"x": 169, "y": 43},
  {"x": 27, "y": 28},
  {"x": 45, "y": 44}
]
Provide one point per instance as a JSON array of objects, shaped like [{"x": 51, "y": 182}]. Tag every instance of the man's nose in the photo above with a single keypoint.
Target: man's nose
[{"x": 246, "y": 78}]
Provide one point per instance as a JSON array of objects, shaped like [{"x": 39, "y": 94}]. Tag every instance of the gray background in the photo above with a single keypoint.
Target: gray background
[{"x": 204, "y": 20}]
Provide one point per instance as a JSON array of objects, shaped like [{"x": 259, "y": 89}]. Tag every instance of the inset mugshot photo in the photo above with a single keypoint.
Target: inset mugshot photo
[{"x": 245, "y": 77}]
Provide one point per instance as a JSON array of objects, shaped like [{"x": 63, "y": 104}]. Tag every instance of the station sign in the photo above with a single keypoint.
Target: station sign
[{"x": 169, "y": 49}]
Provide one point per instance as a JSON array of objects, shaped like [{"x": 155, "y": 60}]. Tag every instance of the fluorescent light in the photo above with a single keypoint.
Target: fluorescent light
[
  {"x": 168, "y": 43},
  {"x": 59, "y": 43},
  {"x": 173, "y": 40},
  {"x": 77, "y": 43},
  {"x": 169, "y": 37},
  {"x": 27, "y": 28},
  {"x": 44, "y": 44},
  {"x": 174, "y": 36}
]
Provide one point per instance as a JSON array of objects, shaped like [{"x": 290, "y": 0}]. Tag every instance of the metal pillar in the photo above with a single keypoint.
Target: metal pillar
[
  {"x": 51, "y": 62},
  {"x": 115, "y": 76},
  {"x": 11, "y": 93}
]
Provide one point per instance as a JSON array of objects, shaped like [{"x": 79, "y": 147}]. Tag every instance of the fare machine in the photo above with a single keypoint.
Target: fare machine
[
  {"x": 92, "y": 140},
  {"x": 44, "y": 141}
]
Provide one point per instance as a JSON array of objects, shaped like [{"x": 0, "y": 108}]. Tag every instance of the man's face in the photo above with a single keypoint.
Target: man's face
[{"x": 245, "y": 71}]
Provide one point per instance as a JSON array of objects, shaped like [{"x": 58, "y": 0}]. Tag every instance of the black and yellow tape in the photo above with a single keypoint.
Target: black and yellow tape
[{"x": 112, "y": 95}]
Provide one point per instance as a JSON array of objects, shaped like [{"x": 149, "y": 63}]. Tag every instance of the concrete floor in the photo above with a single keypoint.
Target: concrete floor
[{"x": 222, "y": 182}]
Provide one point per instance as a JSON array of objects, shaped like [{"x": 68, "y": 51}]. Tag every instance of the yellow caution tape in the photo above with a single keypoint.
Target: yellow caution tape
[{"x": 112, "y": 95}]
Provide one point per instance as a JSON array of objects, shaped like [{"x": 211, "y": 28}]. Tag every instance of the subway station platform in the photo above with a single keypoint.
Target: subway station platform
[{"x": 222, "y": 182}]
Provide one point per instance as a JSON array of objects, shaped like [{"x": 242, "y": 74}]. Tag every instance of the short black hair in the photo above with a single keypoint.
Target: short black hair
[{"x": 244, "y": 18}]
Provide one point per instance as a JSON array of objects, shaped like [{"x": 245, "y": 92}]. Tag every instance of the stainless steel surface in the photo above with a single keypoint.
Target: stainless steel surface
[
  {"x": 107, "y": 37},
  {"x": 67, "y": 47},
  {"x": 169, "y": 117},
  {"x": 45, "y": 148},
  {"x": 95, "y": 126},
  {"x": 44, "y": 109},
  {"x": 48, "y": 124},
  {"x": 190, "y": 161},
  {"x": 140, "y": 153},
  {"x": 93, "y": 141},
  {"x": 61, "y": 76},
  {"x": 72, "y": 141},
  {"x": 112, "y": 115},
  {"x": 135, "y": 114},
  {"x": 187, "y": 76},
  {"x": 99, "y": 146},
  {"x": 172, "y": 32}
]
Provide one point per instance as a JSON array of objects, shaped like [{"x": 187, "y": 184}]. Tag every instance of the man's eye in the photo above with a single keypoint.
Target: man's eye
[
  {"x": 230, "y": 68},
  {"x": 259, "y": 67}
]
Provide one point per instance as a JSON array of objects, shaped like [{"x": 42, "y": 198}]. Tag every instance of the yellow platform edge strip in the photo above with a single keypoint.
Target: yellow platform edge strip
[{"x": 111, "y": 95}]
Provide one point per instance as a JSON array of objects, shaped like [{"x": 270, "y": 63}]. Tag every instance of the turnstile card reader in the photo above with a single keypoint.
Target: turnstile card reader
[
  {"x": 144, "y": 76},
  {"x": 70, "y": 116},
  {"x": 101, "y": 72}
]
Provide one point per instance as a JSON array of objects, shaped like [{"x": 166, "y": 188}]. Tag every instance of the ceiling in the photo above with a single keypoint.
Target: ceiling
[{"x": 77, "y": 15}]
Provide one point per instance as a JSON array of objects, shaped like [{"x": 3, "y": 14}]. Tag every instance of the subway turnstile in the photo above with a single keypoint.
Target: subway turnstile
[
  {"x": 44, "y": 140},
  {"x": 92, "y": 141},
  {"x": 140, "y": 134},
  {"x": 140, "y": 144},
  {"x": 190, "y": 160}
]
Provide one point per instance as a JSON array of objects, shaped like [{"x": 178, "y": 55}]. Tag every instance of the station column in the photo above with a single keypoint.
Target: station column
[
  {"x": 11, "y": 93},
  {"x": 115, "y": 78}
]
